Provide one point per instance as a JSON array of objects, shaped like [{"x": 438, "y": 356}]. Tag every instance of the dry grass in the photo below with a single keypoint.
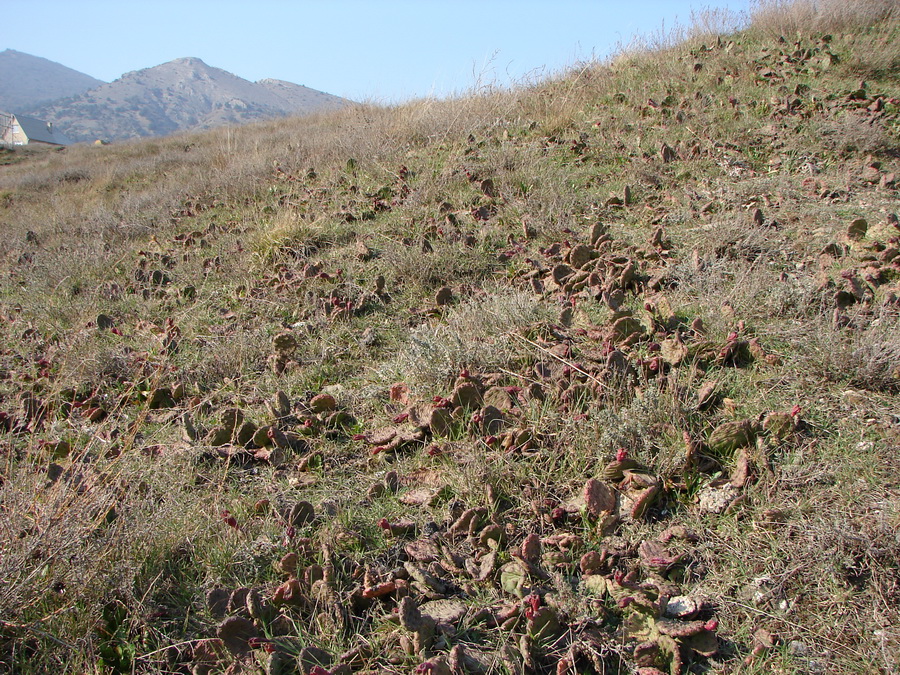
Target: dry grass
[
  {"x": 873, "y": 20},
  {"x": 785, "y": 18}
]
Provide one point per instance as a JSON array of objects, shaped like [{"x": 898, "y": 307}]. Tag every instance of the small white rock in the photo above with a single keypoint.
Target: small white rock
[
  {"x": 682, "y": 607},
  {"x": 717, "y": 499}
]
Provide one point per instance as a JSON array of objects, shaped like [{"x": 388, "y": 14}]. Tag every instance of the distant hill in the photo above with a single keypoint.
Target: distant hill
[
  {"x": 183, "y": 94},
  {"x": 27, "y": 81}
]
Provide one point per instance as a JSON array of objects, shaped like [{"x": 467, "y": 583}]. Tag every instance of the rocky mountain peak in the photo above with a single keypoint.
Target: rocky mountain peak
[{"x": 182, "y": 94}]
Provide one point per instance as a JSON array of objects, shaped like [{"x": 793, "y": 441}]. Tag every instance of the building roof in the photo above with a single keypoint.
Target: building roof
[{"x": 41, "y": 131}]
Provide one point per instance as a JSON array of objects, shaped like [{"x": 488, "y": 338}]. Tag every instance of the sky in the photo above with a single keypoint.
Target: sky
[{"x": 381, "y": 51}]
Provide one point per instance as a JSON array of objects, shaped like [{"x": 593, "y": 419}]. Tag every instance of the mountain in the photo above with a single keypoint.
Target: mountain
[
  {"x": 27, "y": 81},
  {"x": 297, "y": 96},
  {"x": 179, "y": 95}
]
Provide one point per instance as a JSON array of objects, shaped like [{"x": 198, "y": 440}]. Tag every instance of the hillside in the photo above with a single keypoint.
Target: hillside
[
  {"x": 598, "y": 375},
  {"x": 27, "y": 81},
  {"x": 178, "y": 95}
]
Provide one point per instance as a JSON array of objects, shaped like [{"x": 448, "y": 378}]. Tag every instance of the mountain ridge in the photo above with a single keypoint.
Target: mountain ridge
[
  {"x": 184, "y": 94},
  {"x": 45, "y": 81}
]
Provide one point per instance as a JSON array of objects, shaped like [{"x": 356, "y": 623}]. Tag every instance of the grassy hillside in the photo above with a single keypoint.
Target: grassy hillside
[{"x": 601, "y": 374}]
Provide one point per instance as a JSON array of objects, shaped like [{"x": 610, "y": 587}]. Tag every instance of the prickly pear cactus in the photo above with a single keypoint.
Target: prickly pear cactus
[{"x": 729, "y": 436}]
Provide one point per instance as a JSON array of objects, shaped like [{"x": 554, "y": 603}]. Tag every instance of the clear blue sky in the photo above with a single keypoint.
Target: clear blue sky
[{"x": 381, "y": 50}]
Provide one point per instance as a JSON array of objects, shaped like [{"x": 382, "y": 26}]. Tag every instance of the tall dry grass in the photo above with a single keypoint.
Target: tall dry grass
[{"x": 789, "y": 17}]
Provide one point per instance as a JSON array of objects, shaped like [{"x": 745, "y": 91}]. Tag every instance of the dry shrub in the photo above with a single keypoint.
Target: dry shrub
[
  {"x": 740, "y": 266},
  {"x": 288, "y": 232},
  {"x": 476, "y": 335},
  {"x": 213, "y": 361},
  {"x": 864, "y": 355}
]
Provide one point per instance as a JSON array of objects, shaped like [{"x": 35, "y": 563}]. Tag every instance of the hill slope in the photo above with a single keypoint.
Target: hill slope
[
  {"x": 27, "y": 81},
  {"x": 599, "y": 376},
  {"x": 181, "y": 94}
]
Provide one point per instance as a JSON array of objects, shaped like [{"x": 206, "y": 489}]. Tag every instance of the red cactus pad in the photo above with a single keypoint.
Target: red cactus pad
[
  {"x": 532, "y": 605},
  {"x": 379, "y": 590}
]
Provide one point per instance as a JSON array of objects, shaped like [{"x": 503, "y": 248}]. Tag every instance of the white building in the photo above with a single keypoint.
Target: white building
[{"x": 21, "y": 130}]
